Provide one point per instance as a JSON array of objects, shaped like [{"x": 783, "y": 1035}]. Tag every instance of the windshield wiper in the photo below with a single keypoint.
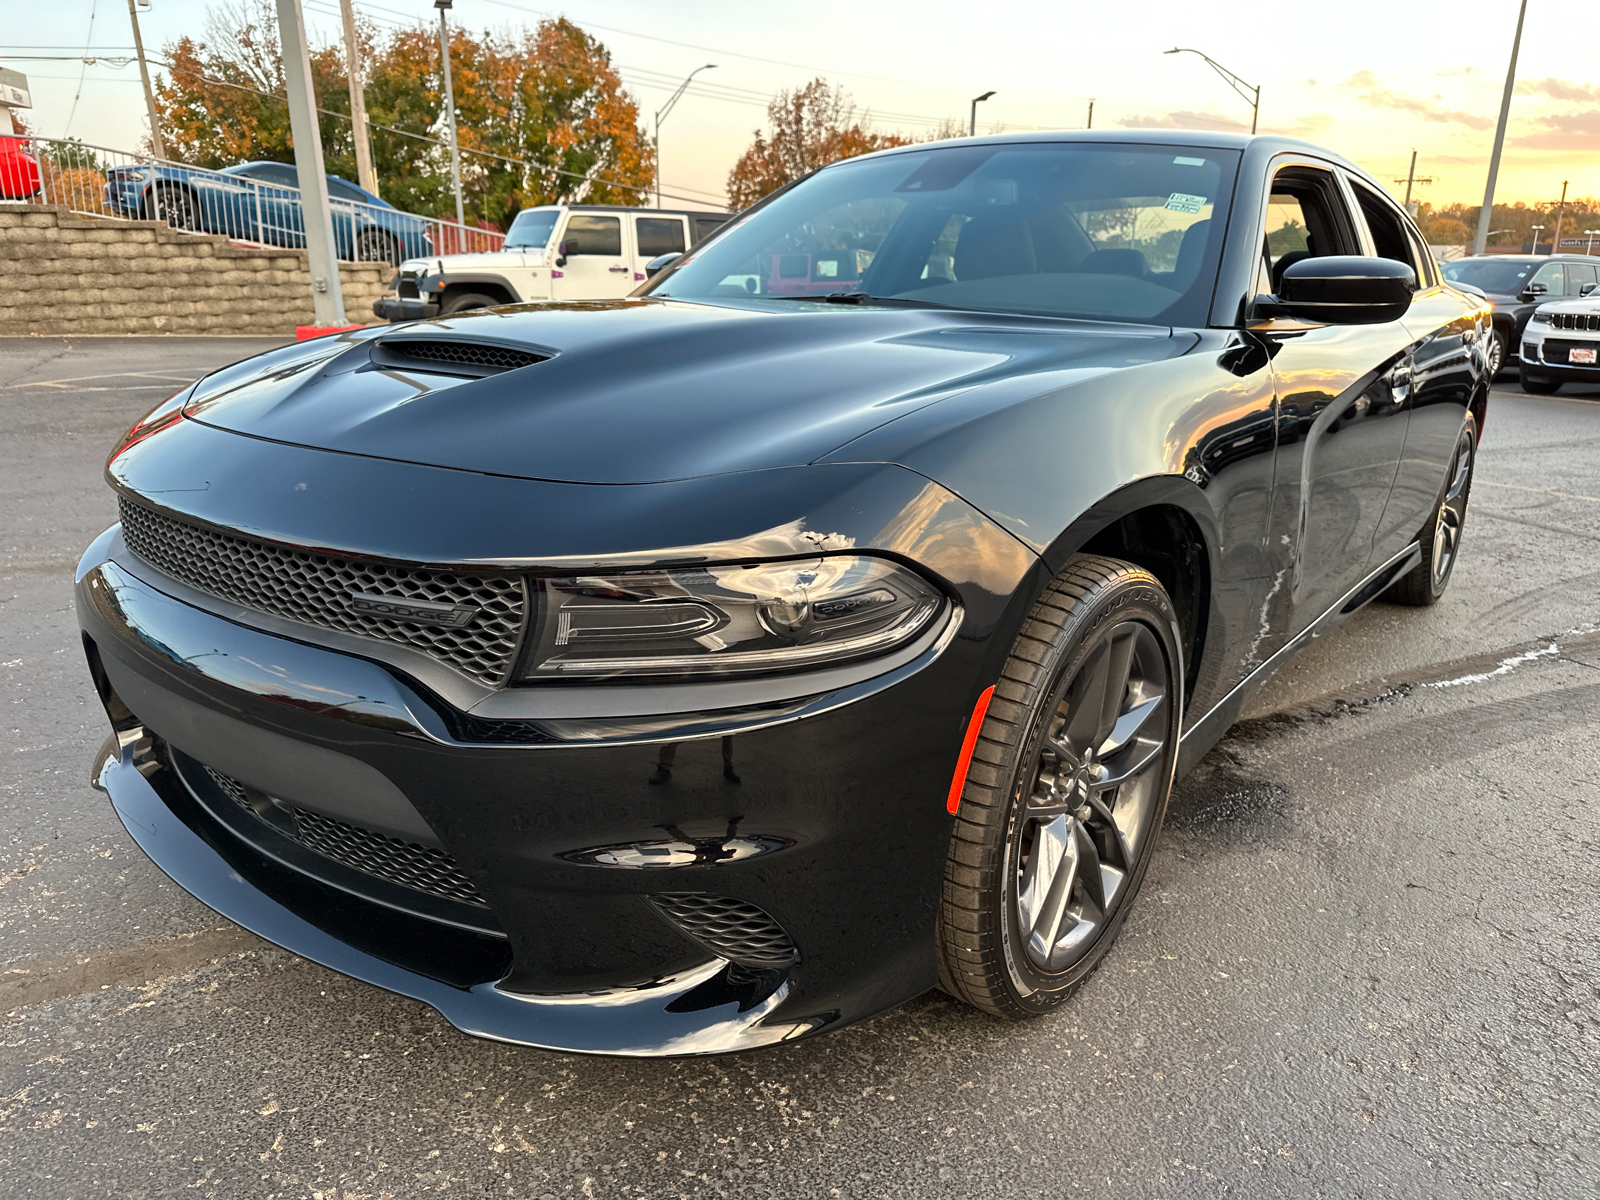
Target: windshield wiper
[{"x": 860, "y": 298}]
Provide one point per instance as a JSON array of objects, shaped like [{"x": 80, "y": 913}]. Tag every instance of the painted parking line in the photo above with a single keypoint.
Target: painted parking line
[{"x": 1517, "y": 487}]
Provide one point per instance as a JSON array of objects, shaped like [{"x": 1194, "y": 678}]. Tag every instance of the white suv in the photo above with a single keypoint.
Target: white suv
[
  {"x": 553, "y": 252},
  {"x": 1561, "y": 344}
]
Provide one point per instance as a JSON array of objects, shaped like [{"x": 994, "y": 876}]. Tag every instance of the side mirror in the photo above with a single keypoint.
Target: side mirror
[
  {"x": 1587, "y": 288},
  {"x": 655, "y": 266},
  {"x": 565, "y": 247},
  {"x": 1535, "y": 289},
  {"x": 1345, "y": 289}
]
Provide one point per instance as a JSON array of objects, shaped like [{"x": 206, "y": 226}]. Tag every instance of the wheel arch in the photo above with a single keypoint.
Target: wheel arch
[
  {"x": 1165, "y": 525},
  {"x": 489, "y": 285}
]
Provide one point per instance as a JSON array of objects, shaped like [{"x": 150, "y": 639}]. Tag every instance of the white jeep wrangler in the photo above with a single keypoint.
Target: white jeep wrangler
[{"x": 553, "y": 252}]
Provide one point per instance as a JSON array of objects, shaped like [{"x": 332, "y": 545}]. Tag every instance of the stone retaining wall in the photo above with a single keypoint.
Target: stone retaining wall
[{"x": 70, "y": 274}]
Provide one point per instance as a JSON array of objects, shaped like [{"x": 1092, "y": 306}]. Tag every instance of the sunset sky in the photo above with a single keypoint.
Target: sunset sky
[{"x": 1370, "y": 79}]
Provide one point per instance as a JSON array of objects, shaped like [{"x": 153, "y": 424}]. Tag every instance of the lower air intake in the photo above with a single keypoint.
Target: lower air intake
[
  {"x": 421, "y": 868},
  {"x": 732, "y": 929}
]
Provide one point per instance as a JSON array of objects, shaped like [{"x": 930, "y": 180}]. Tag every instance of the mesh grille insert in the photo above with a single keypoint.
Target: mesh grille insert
[
  {"x": 421, "y": 868},
  {"x": 467, "y": 354},
  {"x": 315, "y": 588},
  {"x": 1559, "y": 352},
  {"x": 731, "y": 929}
]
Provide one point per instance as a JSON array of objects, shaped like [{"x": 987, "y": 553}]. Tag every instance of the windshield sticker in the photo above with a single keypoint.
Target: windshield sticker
[
  {"x": 1180, "y": 161},
  {"x": 1185, "y": 203}
]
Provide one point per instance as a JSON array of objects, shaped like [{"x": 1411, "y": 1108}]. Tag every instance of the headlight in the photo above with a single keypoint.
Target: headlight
[
  {"x": 1542, "y": 318},
  {"x": 726, "y": 620}
]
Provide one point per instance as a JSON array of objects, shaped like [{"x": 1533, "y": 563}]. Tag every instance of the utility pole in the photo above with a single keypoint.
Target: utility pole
[
  {"x": 1089, "y": 123},
  {"x": 149, "y": 94},
  {"x": 1555, "y": 242},
  {"x": 327, "y": 298},
  {"x": 1486, "y": 213},
  {"x": 1412, "y": 178},
  {"x": 661, "y": 115},
  {"x": 449, "y": 108},
  {"x": 365, "y": 175},
  {"x": 972, "y": 125}
]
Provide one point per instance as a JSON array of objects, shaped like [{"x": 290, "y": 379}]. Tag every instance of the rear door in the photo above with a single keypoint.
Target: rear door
[
  {"x": 1341, "y": 391},
  {"x": 599, "y": 259},
  {"x": 657, "y": 235}
]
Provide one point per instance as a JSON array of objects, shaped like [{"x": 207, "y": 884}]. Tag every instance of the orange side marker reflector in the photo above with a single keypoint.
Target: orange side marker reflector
[{"x": 968, "y": 745}]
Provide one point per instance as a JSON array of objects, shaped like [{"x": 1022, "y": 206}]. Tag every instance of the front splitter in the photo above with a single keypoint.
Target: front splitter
[{"x": 710, "y": 1009}]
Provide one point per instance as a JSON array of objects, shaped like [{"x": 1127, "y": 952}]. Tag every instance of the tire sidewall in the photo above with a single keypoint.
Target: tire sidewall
[
  {"x": 1469, "y": 436},
  {"x": 1139, "y": 599}
]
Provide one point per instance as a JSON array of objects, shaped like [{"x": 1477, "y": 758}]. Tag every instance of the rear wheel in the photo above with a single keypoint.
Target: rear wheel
[
  {"x": 177, "y": 207},
  {"x": 1068, "y": 787},
  {"x": 374, "y": 245},
  {"x": 1441, "y": 537},
  {"x": 1537, "y": 385},
  {"x": 464, "y": 301}
]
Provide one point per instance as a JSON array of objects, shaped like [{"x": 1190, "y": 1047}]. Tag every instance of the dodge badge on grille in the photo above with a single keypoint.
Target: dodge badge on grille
[{"x": 418, "y": 612}]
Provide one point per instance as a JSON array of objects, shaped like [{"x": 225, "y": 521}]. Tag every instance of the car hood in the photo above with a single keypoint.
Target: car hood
[
  {"x": 640, "y": 391},
  {"x": 491, "y": 260}
]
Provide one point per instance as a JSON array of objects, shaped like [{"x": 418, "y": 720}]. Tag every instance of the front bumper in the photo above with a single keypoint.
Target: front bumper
[
  {"x": 394, "y": 308},
  {"x": 828, "y": 817},
  {"x": 1534, "y": 356}
]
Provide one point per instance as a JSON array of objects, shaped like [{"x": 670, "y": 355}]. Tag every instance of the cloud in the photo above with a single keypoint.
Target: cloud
[
  {"x": 1559, "y": 89},
  {"x": 1379, "y": 95},
  {"x": 1184, "y": 119},
  {"x": 1565, "y": 131}
]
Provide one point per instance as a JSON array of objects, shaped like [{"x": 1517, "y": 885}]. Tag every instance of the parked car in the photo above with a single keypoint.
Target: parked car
[
  {"x": 716, "y": 667},
  {"x": 260, "y": 202},
  {"x": 1561, "y": 344},
  {"x": 1516, "y": 284},
  {"x": 19, "y": 170},
  {"x": 552, "y": 252}
]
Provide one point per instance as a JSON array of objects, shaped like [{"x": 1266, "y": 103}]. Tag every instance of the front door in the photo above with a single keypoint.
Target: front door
[
  {"x": 598, "y": 265},
  {"x": 654, "y": 236},
  {"x": 1342, "y": 393}
]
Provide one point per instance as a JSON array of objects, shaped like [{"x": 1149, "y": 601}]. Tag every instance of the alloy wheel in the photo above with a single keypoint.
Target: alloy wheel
[
  {"x": 1452, "y": 514},
  {"x": 179, "y": 209},
  {"x": 1091, "y": 798},
  {"x": 1494, "y": 356}
]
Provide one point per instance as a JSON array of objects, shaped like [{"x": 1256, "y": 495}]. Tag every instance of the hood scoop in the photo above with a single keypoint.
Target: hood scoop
[{"x": 452, "y": 356}]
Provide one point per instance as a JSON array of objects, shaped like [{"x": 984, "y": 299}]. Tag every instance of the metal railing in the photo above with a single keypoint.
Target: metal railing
[{"x": 261, "y": 208}]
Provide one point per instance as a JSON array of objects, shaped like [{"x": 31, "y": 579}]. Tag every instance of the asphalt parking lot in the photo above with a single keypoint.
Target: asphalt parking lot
[{"x": 1364, "y": 963}]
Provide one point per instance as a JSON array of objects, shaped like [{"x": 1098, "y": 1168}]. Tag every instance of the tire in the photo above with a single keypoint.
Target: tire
[
  {"x": 1495, "y": 354},
  {"x": 1441, "y": 536},
  {"x": 1042, "y": 789},
  {"x": 466, "y": 300},
  {"x": 1537, "y": 385},
  {"x": 177, "y": 207},
  {"x": 374, "y": 245}
]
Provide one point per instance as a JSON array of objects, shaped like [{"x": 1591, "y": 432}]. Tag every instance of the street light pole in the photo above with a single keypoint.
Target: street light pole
[
  {"x": 1486, "y": 213},
  {"x": 149, "y": 95},
  {"x": 661, "y": 115},
  {"x": 450, "y": 109},
  {"x": 1250, "y": 92},
  {"x": 327, "y": 298},
  {"x": 972, "y": 125},
  {"x": 1590, "y": 234},
  {"x": 1536, "y": 231}
]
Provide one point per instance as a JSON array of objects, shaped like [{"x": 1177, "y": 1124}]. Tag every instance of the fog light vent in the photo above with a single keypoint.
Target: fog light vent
[{"x": 732, "y": 929}]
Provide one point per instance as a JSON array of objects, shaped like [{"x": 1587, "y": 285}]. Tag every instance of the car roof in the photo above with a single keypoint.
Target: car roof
[
  {"x": 1594, "y": 258},
  {"x": 1209, "y": 139}
]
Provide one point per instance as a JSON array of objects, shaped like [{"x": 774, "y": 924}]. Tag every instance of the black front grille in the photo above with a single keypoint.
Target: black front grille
[
  {"x": 481, "y": 355},
  {"x": 316, "y": 589},
  {"x": 1557, "y": 352},
  {"x": 1588, "y": 321},
  {"x": 732, "y": 929},
  {"x": 421, "y": 868}
]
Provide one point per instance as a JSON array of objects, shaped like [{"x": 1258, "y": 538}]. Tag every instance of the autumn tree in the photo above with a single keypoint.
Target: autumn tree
[
  {"x": 809, "y": 128},
  {"x": 541, "y": 119}
]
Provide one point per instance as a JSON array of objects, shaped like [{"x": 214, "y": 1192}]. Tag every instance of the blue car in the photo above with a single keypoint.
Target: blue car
[{"x": 260, "y": 202}]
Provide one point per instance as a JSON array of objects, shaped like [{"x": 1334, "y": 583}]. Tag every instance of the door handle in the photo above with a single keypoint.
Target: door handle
[
  {"x": 618, "y": 270},
  {"x": 1399, "y": 381}
]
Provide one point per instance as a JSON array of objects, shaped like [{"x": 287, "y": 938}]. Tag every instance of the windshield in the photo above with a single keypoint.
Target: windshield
[
  {"x": 532, "y": 229},
  {"x": 1502, "y": 276},
  {"x": 1097, "y": 230}
]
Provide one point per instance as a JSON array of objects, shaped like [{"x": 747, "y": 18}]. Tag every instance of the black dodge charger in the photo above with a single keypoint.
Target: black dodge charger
[{"x": 824, "y": 623}]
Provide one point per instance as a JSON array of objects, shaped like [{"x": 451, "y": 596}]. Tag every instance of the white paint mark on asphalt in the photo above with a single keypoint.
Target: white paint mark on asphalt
[
  {"x": 1507, "y": 665},
  {"x": 1517, "y": 487}
]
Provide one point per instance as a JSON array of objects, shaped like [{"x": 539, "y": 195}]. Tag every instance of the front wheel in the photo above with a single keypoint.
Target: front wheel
[
  {"x": 464, "y": 301},
  {"x": 177, "y": 207},
  {"x": 1494, "y": 355},
  {"x": 1067, "y": 789},
  {"x": 1441, "y": 537},
  {"x": 1537, "y": 385}
]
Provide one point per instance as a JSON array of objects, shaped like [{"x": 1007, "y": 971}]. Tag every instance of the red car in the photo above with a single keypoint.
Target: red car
[{"x": 19, "y": 172}]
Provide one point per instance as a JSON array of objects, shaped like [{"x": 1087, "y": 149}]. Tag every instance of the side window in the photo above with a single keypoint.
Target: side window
[
  {"x": 659, "y": 235},
  {"x": 1388, "y": 231},
  {"x": 1306, "y": 218},
  {"x": 704, "y": 227},
  {"x": 340, "y": 190},
  {"x": 1554, "y": 278},
  {"x": 275, "y": 173},
  {"x": 595, "y": 234},
  {"x": 1427, "y": 269},
  {"x": 1578, "y": 275}
]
